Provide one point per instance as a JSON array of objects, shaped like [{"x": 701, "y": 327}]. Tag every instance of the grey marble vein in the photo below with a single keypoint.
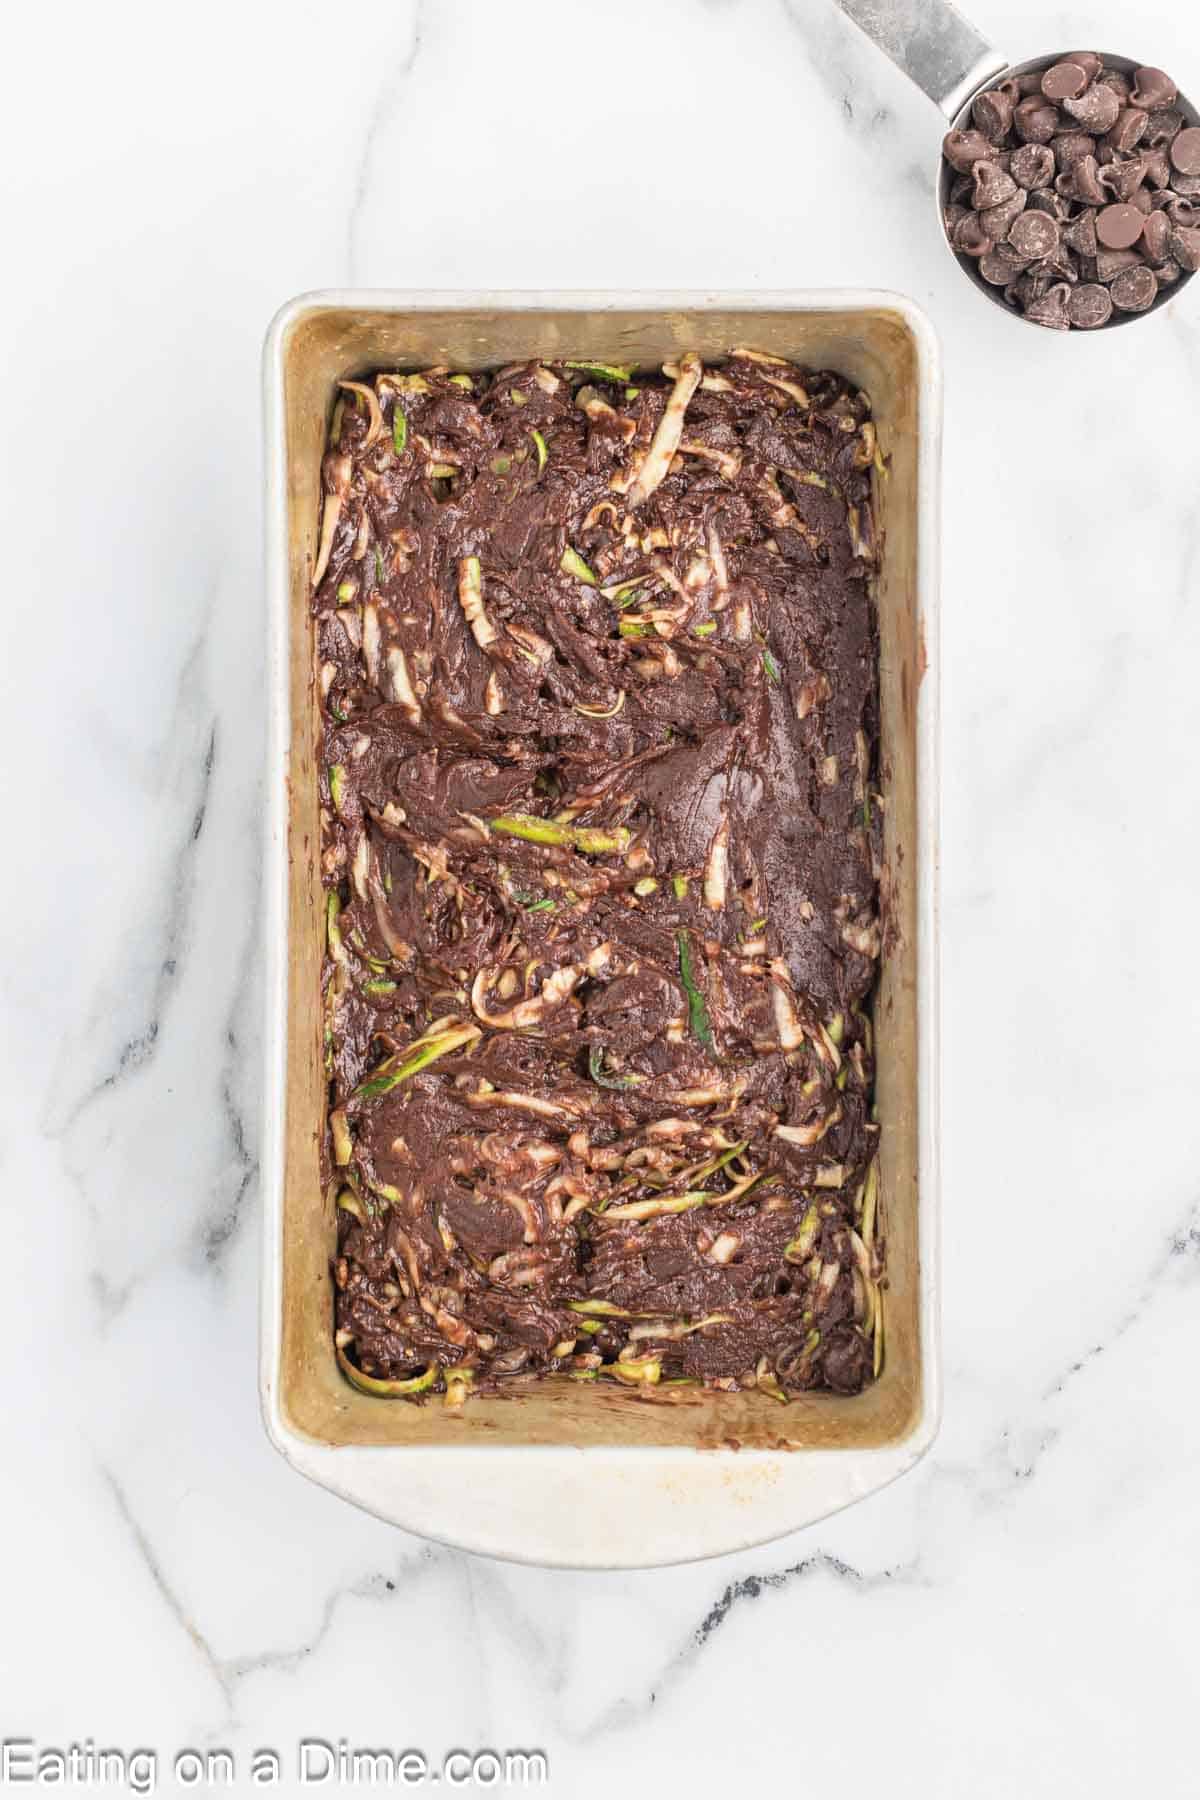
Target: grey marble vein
[
  {"x": 229, "y": 1673},
  {"x": 629, "y": 1711},
  {"x": 852, "y": 72},
  {"x": 753, "y": 1587},
  {"x": 137, "y": 1050},
  {"x": 239, "y": 1093},
  {"x": 388, "y": 99},
  {"x": 171, "y": 1600},
  {"x": 880, "y": 109},
  {"x": 1179, "y": 1255}
]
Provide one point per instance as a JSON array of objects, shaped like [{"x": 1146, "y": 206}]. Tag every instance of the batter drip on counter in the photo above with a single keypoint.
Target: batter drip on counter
[{"x": 597, "y": 664}]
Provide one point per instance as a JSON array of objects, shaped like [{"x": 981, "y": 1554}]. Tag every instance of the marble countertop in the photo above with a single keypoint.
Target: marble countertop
[{"x": 1018, "y": 1615}]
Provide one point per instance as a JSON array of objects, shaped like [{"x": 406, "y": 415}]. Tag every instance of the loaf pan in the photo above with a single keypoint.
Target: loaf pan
[{"x": 559, "y": 1474}]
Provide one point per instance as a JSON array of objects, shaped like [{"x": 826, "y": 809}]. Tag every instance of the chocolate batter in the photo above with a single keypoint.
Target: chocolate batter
[{"x": 597, "y": 666}]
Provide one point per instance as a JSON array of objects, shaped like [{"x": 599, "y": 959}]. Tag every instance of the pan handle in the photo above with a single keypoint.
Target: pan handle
[{"x": 931, "y": 43}]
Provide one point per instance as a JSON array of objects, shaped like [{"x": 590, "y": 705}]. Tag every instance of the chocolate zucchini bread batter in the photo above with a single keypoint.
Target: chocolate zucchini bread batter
[{"x": 598, "y": 670}]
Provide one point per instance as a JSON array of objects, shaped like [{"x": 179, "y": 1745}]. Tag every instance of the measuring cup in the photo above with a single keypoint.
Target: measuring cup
[{"x": 937, "y": 48}]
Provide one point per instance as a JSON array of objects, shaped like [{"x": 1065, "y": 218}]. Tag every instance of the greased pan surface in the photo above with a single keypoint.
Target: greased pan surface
[{"x": 569, "y": 1471}]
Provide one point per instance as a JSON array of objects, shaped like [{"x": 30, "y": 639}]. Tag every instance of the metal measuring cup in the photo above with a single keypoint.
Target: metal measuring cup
[{"x": 949, "y": 60}]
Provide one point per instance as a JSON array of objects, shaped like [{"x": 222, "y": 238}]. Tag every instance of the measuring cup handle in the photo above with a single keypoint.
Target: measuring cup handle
[{"x": 931, "y": 42}]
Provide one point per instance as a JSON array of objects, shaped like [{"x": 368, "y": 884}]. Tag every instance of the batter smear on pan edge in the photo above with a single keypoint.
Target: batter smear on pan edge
[{"x": 598, "y": 672}]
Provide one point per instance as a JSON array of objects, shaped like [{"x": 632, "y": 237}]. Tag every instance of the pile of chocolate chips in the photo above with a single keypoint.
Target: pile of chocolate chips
[{"x": 1077, "y": 191}]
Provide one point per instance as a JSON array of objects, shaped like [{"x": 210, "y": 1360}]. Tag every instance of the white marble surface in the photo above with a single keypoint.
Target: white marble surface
[{"x": 1016, "y": 1617}]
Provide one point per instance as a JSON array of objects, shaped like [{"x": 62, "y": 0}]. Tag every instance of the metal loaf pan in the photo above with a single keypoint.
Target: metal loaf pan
[{"x": 559, "y": 1473}]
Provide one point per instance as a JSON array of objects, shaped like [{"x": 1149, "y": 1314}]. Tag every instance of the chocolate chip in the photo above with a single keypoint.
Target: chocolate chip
[
  {"x": 1032, "y": 166},
  {"x": 1034, "y": 234},
  {"x": 1140, "y": 198},
  {"x": 1069, "y": 147},
  {"x": 993, "y": 112},
  {"x": 1134, "y": 289},
  {"x": 1060, "y": 265},
  {"x": 993, "y": 268},
  {"x": 1089, "y": 306},
  {"x": 1082, "y": 182},
  {"x": 1181, "y": 211},
  {"x": 1097, "y": 108},
  {"x": 1118, "y": 83},
  {"x": 1047, "y": 201},
  {"x": 1155, "y": 233},
  {"x": 1080, "y": 234},
  {"x": 992, "y": 186},
  {"x": 1185, "y": 247},
  {"x": 1065, "y": 81},
  {"x": 1185, "y": 151},
  {"x": 1111, "y": 262},
  {"x": 997, "y": 220},
  {"x": 1167, "y": 272},
  {"x": 1051, "y": 309},
  {"x": 1163, "y": 126},
  {"x": 1152, "y": 88},
  {"x": 1008, "y": 253},
  {"x": 1186, "y": 184},
  {"x": 1088, "y": 61},
  {"x": 1035, "y": 121},
  {"x": 1129, "y": 130},
  {"x": 1119, "y": 226},
  {"x": 951, "y": 214},
  {"x": 1122, "y": 180},
  {"x": 962, "y": 149},
  {"x": 969, "y": 236},
  {"x": 1027, "y": 288},
  {"x": 1157, "y": 167},
  {"x": 1029, "y": 83}
]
